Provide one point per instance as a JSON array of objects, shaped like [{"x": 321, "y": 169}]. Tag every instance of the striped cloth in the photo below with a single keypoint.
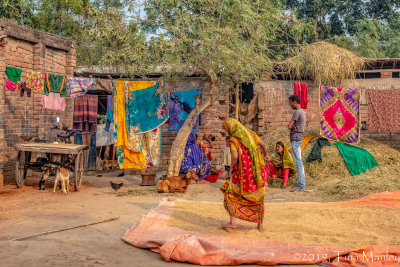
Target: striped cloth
[
  {"x": 85, "y": 113},
  {"x": 78, "y": 86}
]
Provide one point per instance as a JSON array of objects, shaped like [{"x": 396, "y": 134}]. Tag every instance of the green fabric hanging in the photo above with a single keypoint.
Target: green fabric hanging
[
  {"x": 56, "y": 84},
  {"x": 315, "y": 153},
  {"x": 358, "y": 160},
  {"x": 13, "y": 74}
]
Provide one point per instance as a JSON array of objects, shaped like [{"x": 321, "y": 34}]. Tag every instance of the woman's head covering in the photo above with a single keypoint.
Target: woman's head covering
[
  {"x": 191, "y": 139},
  {"x": 236, "y": 130}
]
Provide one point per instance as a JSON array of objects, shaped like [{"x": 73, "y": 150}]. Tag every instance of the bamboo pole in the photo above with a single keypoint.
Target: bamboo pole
[
  {"x": 237, "y": 100},
  {"x": 65, "y": 229}
]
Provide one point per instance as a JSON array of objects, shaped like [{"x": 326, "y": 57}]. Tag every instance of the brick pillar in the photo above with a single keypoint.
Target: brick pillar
[{"x": 71, "y": 60}]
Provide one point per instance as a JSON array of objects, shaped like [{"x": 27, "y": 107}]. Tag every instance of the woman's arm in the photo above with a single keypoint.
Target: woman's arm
[
  {"x": 234, "y": 160},
  {"x": 265, "y": 149}
]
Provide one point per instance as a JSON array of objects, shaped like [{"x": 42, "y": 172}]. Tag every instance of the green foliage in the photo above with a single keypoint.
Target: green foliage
[
  {"x": 18, "y": 11},
  {"x": 224, "y": 39}
]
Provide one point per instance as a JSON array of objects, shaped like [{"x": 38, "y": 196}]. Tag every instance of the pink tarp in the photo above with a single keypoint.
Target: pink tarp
[{"x": 175, "y": 244}]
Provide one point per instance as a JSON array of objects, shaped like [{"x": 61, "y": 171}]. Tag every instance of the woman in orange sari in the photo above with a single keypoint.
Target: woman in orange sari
[{"x": 244, "y": 191}]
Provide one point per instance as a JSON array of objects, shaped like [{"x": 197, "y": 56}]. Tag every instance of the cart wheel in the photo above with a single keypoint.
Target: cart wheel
[
  {"x": 78, "y": 170},
  {"x": 20, "y": 169}
]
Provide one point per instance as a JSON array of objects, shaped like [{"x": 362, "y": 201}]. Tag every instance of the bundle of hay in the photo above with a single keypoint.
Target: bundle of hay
[
  {"x": 323, "y": 63},
  {"x": 331, "y": 180}
]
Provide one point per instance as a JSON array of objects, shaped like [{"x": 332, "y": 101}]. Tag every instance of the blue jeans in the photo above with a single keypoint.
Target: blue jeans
[{"x": 298, "y": 163}]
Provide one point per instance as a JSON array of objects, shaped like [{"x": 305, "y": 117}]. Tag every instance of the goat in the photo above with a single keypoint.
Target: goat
[
  {"x": 176, "y": 184},
  {"x": 62, "y": 176}
]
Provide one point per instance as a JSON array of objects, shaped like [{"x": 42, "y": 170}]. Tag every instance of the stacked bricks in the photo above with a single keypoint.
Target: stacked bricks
[{"x": 29, "y": 49}]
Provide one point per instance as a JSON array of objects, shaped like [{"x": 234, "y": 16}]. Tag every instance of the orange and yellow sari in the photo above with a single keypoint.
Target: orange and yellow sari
[{"x": 244, "y": 191}]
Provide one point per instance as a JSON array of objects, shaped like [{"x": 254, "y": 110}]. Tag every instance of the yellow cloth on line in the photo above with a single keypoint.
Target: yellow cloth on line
[
  {"x": 305, "y": 142},
  {"x": 127, "y": 159}
]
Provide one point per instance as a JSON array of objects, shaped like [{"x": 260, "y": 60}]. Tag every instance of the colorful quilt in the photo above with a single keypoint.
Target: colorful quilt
[
  {"x": 181, "y": 104},
  {"x": 340, "y": 114}
]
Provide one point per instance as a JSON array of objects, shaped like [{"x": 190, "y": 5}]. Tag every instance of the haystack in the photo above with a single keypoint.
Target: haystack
[
  {"x": 331, "y": 180},
  {"x": 323, "y": 63}
]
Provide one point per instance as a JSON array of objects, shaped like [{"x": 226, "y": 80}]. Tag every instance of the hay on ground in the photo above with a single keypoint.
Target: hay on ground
[
  {"x": 331, "y": 180},
  {"x": 301, "y": 223}
]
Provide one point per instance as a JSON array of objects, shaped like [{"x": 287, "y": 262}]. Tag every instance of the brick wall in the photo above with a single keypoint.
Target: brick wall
[
  {"x": 212, "y": 119},
  {"x": 29, "y": 49},
  {"x": 277, "y": 112}
]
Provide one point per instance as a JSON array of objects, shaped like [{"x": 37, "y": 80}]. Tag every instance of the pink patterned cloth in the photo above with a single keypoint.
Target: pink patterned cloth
[
  {"x": 53, "y": 101},
  {"x": 11, "y": 86}
]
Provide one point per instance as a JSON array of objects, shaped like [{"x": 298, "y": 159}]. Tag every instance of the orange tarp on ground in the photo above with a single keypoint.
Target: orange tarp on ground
[{"x": 175, "y": 244}]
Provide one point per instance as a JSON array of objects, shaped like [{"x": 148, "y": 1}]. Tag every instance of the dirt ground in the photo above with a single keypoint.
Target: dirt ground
[{"x": 28, "y": 211}]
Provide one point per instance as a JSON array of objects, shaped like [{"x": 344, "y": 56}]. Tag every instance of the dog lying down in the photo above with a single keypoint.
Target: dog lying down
[{"x": 176, "y": 184}]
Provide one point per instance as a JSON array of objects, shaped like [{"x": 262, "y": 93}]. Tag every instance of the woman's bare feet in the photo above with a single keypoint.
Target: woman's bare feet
[
  {"x": 260, "y": 227},
  {"x": 284, "y": 186},
  {"x": 229, "y": 226}
]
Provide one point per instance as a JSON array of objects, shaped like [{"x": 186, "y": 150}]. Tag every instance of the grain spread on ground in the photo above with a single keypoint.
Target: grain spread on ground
[{"x": 301, "y": 223}]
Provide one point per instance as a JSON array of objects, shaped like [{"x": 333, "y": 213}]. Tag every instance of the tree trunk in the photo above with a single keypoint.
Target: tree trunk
[
  {"x": 237, "y": 100},
  {"x": 178, "y": 146}
]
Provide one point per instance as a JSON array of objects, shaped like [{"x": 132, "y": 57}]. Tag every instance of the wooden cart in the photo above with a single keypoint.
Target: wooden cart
[{"x": 25, "y": 153}]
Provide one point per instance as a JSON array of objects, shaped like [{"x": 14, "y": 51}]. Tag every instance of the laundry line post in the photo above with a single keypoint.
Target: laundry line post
[{"x": 237, "y": 100}]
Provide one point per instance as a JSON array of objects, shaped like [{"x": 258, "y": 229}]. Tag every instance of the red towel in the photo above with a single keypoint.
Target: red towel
[{"x": 301, "y": 89}]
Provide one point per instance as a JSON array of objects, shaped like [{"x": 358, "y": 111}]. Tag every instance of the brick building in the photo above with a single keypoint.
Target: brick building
[
  {"x": 277, "y": 111},
  {"x": 29, "y": 49}
]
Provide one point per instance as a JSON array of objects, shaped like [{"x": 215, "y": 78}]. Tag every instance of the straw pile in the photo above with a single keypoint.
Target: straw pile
[
  {"x": 301, "y": 223},
  {"x": 331, "y": 180},
  {"x": 323, "y": 63}
]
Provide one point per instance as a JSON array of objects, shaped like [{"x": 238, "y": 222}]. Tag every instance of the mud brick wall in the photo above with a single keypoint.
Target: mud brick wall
[
  {"x": 212, "y": 120},
  {"x": 29, "y": 49},
  {"x": 278, "y": 113}
]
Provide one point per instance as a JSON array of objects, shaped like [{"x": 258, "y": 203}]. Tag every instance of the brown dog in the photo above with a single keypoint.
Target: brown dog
[{"x": 176, "y": 184}]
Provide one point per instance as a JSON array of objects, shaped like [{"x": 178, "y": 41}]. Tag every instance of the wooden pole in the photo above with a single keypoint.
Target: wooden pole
[
  {"x": 65, "y": 229},
  {"x": 237, "y": 100}
]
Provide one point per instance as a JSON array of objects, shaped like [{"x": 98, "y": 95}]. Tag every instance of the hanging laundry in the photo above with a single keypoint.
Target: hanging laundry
[
  {"x": 109, "y": 114},
  {"x": 382, "y": 103},
  {"x": 85, "y": 113},
  {"x": 89, "y": 155},
  {"x": 53, "y": 101},
  {"x": 13, "y": 74},
  {"x": 340, "y": 114},
  {"x": 301, "y": 89},
  {"x": 358, "y": 160},
  {"x": 78, "y": 86},
  {"x": 25, "y": 89},
  {"x": 56, "y": 84},
  {"x": 152, "y": 147},
  {"x": 35, "y": 80},
  {"x": 103, "y": 84},
  {"x": 127, "y": 159},
  {"x": 181, "y": 104},
  {"x": 103, "y": 137},
  {"x": 12, "y": 86},
  {"x": 147, "y": 106}
]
